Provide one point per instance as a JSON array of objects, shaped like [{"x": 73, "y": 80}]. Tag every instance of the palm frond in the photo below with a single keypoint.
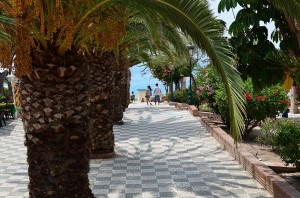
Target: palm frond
[{"x": 196, "y": 20}]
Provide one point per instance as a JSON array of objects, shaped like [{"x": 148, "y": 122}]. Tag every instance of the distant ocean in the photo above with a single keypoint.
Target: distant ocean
[{"x": 141, "y": 77}]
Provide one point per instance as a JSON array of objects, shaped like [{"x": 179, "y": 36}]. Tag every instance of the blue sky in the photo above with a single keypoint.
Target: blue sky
[{"x": 141, "y": 78}]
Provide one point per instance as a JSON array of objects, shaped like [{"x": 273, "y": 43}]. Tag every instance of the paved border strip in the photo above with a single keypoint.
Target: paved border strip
[{"x": 272, "y": 182}]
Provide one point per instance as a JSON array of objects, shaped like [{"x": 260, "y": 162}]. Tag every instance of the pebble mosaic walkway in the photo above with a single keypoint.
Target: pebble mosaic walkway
[{"x": 161, "y": 152}]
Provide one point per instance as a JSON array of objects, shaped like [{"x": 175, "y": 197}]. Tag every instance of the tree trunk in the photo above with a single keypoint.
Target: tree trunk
[
  {"x": 121, "y": 96},
  {"x": 128, "y": 87},
  {"x": 125, "y": 90},
  {"x": 54, "y": 101},
  {"x": 101, "y": 90},
  {"x": 294, "y": 102},
  {"x": 117, "y": 97}
]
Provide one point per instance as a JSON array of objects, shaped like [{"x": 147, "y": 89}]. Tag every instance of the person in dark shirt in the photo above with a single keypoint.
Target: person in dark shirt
[{"x": 286, "y": 113}]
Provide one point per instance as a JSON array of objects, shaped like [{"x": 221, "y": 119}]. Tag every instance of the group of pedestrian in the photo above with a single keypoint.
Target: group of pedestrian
[{"x": 156, "y": 92}]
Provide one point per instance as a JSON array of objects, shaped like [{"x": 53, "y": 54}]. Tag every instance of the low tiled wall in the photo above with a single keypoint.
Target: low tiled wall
[{"x": 276, "y": 185}]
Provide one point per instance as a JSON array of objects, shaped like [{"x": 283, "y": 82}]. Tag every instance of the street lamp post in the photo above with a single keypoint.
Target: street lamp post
[{"x": 191, "y": 53}]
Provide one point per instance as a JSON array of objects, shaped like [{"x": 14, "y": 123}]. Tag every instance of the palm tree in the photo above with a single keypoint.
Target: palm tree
[
  {"x": 120, "y": 90},
  {"x": 52, "y": 64},
  {"x": 102, "y": 77}
]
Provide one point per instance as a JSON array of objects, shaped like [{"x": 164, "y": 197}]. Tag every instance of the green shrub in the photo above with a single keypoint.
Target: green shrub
[
  {"x": 222, "y": 106},
  {"x": 288, "y": 142},
  {"x": 182, "y": 96},
  {"x": 269, "y": 130},
  {"x": 268, "y": 103}
]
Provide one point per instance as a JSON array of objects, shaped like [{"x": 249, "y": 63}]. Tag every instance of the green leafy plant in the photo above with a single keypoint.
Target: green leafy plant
[
  {"x": 288, "y": 142},
  {"x": 267, "y": 137},
  {"x": 182, "y": 96},
  {"x": 268, "y": 103}
]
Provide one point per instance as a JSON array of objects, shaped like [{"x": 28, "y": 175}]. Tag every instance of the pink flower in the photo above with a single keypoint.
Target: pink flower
[
  {"x": 214, "y": 104},
  {"x": 201, "y": 88},
  {"x": 210, "y": 89},
  {"x": 198, "y": 92},
  {"x": 207, "y": 79}
]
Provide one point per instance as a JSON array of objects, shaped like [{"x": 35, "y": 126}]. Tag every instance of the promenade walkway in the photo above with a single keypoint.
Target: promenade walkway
[{"x": 161, "y": 152}]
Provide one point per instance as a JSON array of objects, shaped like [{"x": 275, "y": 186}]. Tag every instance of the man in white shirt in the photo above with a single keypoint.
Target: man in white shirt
[{"x": 157, "y": 94}]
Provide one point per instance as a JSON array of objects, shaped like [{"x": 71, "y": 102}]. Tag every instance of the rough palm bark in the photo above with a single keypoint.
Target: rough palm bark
[
  {"x": 126, "y": 91},
  {"x": 118, "y": 97},
  {"x": 128, "y": 87},
  {"x": 101, "y": 89},
  {"x": 55, "y": 105},
  {"x": 121, "y": 96}
]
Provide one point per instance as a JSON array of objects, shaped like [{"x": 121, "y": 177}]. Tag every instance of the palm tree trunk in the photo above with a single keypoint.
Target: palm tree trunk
[
  {"x": 118, "y": 97},
  {"x": 125, "y": 90},
  {"x": 54, "y": 102},
  {"x": 101, "y": 90},
  {"x": 128, "y": 87},
  {"x": 121, "y": 96}
]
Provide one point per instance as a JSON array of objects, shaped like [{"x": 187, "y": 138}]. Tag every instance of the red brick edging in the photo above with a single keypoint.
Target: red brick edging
[{"x": 272, "y": 182}]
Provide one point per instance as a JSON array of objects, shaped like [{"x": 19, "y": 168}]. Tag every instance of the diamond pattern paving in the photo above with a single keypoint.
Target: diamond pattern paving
[{"x": 161, "y": 152}]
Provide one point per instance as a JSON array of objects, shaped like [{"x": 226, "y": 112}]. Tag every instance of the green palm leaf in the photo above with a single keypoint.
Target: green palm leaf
[{"x": 196, "y": 20}]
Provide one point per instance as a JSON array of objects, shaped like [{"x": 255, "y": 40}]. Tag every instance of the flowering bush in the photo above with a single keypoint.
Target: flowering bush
[
  {"x": 182, "y": 96},
  {"x": 268, "y": 103},
  {"x": 208, "y": 82}
]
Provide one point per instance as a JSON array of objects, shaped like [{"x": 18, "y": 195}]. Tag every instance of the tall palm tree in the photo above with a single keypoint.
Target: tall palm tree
[
  {"x": 102, "y": 76},
  {"x": 53, "y": 71}
]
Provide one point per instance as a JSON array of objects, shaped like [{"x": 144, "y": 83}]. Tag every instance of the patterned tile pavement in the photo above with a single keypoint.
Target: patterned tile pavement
[{"x": 161, "y": 152}]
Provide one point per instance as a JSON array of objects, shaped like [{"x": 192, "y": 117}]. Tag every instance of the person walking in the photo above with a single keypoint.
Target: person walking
[
  {"x": 148, "y": 95},
  {"x": 157, "y": 94},
  {"x": 132, "y": 97}
]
